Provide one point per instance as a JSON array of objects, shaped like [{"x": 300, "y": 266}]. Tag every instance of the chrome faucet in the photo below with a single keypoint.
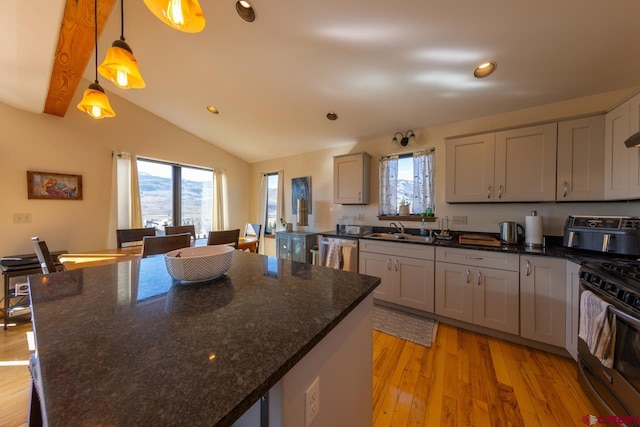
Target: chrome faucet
[{"x": 396, "y": 228}]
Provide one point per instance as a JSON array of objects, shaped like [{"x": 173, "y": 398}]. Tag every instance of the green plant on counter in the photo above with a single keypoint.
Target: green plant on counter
[{"x": 404, "y": 202}]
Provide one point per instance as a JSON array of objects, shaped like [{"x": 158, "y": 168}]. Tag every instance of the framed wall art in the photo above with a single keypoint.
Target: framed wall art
[
  {"x": 49, "y": 185},
  {"x": 300, "y": 189}
]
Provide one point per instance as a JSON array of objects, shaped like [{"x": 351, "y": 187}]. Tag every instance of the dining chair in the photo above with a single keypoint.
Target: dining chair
[
  {"x": 224, "y": 237},
  {"x": 179, "y": 229},
  {"x": 154, "y": 245},
  {"x": 45, "y": 259},
  {"x": 253, "y": 230},
  {"x": 133, "y": 235}
]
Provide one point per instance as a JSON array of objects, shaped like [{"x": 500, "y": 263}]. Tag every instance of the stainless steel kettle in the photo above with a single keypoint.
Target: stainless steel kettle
[{"x": 510, "y": 232}]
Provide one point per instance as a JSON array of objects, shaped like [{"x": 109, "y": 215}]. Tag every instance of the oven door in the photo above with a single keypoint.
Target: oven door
[{"x": 617, "y": 389}]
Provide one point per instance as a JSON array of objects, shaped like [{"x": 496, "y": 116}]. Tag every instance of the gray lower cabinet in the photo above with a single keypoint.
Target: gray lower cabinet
[
  {"x": 478, "y": 287},
  {"x": 295, "y": 245},
  {"x": 406, "y": 271},
  {"x": 543, "y": 299}
]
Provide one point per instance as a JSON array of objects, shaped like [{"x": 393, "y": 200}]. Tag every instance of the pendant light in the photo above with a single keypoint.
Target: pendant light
[
  {"x": 94, "y": 101},
  {"x": 120, "y": 66},
  {"x": 183, "y": 15}
]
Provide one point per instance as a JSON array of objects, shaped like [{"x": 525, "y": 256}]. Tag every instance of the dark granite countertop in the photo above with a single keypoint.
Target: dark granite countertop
[
  {"x": 124, "y": 344},
  {"x": 553, "y": 248}
]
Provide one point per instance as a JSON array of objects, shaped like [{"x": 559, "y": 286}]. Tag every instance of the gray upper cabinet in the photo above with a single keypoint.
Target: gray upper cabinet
[
  {"x": 580, "y": 169},
  {"x": 351, "y": 179},
  {"x": 516, "y": 165}
]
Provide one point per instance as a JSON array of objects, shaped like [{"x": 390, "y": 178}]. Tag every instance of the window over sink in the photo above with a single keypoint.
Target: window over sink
[{"x": 407, "y": 179}]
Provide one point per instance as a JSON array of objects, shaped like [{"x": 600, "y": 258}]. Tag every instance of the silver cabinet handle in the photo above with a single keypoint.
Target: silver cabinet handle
[
  {"x": 479, "y": 278},
  {"x": 489, "y": 192},
  {"x": 473, "y": 257},
  {"x": 468, "y": 275},
  {"x": 500, "y": 192},
  {"x": 396, "y": 264},
  {"x": 564, "y": 194},
  {"x": 528, "y": 268},
  {"x": 388, "y": 263},
  {"x": 359, "y": 196}
]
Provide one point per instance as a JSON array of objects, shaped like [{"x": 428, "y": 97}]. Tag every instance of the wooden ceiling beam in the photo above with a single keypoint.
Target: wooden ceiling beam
[{"x": 75, "y": 48}]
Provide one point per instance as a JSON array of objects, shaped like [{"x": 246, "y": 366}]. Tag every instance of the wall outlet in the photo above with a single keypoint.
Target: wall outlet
[
  {"x": 312, "y": 402},
  {"x": 22, "y": 218},
  {"x": 361, "y": 217},
  {"x": 459, "y": 220}
]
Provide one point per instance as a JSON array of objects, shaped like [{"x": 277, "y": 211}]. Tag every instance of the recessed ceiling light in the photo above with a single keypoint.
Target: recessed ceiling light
[
  {"x": 245, "y": 10},
  {"x": 484, "y": 69},
  {"x": 212, "y": 109},
  {"x": 332, "y": 116}
]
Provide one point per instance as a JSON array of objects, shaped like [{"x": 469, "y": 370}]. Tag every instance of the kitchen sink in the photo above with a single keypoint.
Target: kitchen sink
[{"x": 401, "y": 237}]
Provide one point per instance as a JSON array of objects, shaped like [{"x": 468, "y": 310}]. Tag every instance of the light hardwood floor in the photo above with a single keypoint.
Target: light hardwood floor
[{"x": 464, "y": 379}]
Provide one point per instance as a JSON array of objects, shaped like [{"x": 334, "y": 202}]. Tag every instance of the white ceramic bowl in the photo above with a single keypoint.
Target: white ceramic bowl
[{"x": 200, "y": 263}]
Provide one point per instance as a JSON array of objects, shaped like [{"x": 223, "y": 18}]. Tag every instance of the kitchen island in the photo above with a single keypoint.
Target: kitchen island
[{"x": 124, "y": 344}]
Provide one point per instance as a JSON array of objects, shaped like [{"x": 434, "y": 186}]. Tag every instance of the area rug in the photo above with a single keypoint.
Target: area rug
[{"x": 409, "y": 327}]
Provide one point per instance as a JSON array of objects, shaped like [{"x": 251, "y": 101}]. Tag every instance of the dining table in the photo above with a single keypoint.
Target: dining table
[{"x": 75, "y": 261}]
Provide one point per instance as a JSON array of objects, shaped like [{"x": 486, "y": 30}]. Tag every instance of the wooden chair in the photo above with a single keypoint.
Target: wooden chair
[
  {"x": 179, "y": 229},
  {"x": 224, "y": 237},
  {"x": 131, "y": 235},
  {"x": 45, "y": 259},
  {"x": 154, "y": 245},
  {"x": 253, "y": 230}
]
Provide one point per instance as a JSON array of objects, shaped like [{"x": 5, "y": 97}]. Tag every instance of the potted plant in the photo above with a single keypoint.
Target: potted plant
[{"x": 404, "y": 207}]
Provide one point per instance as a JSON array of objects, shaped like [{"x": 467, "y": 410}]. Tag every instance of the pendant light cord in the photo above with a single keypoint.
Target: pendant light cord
[
  {"x": 95, "y": 33},
  {"x": 122, "y": 20}
]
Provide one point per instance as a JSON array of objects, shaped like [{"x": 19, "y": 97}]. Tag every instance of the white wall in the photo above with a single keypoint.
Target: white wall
[
  {"x": 78, "y": 144},
  {"x": 481, "y": 217}
]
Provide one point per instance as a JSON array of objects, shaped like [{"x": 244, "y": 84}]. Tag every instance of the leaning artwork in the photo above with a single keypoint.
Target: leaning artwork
[{"x": 48, "y": 185}]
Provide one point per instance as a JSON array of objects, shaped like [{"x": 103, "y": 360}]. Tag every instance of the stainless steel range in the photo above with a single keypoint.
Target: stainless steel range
[{"x": 612, "y": 384}]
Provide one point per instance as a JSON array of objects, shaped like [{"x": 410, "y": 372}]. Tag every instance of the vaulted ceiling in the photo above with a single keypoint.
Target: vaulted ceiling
[{"x": 382, "y": 66}]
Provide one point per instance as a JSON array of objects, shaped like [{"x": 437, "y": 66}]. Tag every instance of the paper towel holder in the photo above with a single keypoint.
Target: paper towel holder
[{"x": 539, "y": 243}]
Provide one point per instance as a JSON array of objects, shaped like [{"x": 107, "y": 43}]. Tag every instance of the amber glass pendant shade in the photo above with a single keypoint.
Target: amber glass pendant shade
[
  {"x": 121, "y": 67},
  {"x": 95, "y": 102},
  {"x": 183, "y": 15}
]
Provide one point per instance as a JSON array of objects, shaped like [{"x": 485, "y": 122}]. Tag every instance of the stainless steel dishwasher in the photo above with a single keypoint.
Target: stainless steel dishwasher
[{"x": 347, "y": 255}]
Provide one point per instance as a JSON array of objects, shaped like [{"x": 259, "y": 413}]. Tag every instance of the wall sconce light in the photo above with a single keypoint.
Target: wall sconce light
[
  {"x": 94, "y": 100},
  {"x": 405, "y": 138},
  {"x": 633, "y": 140},
  {"x": 120, "y": 66},
  {"x": 183, "y": 15}
]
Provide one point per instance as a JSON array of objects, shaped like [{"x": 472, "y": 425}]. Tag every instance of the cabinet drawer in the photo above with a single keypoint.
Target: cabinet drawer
[
  {"x": 408, "y": 250},
  {"x": 477, "y": 258}
]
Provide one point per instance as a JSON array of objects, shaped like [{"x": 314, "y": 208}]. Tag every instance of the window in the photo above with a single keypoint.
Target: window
[
  {"x": 175, "y": 194},
  {"x": 407, "y": 178},
  {"x": 271, "y": 211}
]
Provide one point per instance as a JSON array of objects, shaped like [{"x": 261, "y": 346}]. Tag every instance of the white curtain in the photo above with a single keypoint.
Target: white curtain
[
  {"x": 219, "y": 219},
  {"x": 125, "y": 211},
  {"x": 262, "y": 209},
  {"x": 388, "y": 185},
  {"x": 280, "y": 203},
  {"x": 423, "y": 191}
]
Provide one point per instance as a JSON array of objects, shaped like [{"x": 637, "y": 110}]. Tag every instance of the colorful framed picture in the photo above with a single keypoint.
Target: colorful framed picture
[
  {"x": 300, "y": 189},
  {"x": 48, "y": 185}
]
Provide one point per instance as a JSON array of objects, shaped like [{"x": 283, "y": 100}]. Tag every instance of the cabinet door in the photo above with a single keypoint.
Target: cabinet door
[
  {"x": 580, "y": 153},
  {"x": 351, "y": 179},
  {"x": 525, "y": 164},
  {"x": 543, "y": 299},
  {"x": 572, "y": 308},
  {"x": 469, "y": 168},
  {"x": 414, "y": 278},
  {"x": 380, "y": 266},
  {"x": 495, "y": 299},
  {"x": 297, "y": 248},
  {"x": 616, "y": 154},
  {"x": 283, "y": 247},
  {"x": 453, "y": 291},
  {"x": 634, "y": 153}
]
